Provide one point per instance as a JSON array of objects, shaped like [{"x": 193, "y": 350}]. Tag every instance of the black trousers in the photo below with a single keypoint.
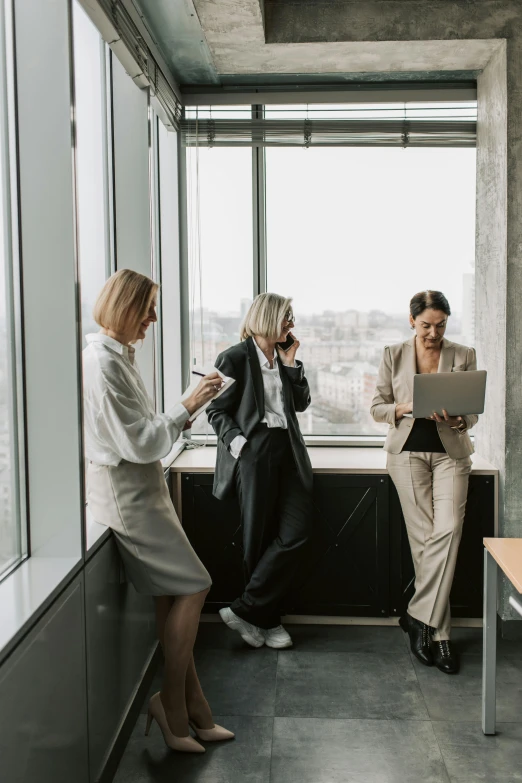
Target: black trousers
[{"x": 277, "y": 519}]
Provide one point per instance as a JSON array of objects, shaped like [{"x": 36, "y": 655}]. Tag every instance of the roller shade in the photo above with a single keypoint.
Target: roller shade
[
  {"x": 342, "y": 127},
  {"x": 119, "y": 30}
]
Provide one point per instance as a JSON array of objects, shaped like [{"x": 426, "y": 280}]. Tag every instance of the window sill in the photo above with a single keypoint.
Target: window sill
[
  {"x": 352, "y": 441},
  {"x": 330, "y": 441},
  {"x": 324, "y": 460}
]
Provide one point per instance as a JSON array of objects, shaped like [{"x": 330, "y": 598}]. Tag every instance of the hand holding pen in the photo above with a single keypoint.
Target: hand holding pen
[{"x": 204, "y": 391}]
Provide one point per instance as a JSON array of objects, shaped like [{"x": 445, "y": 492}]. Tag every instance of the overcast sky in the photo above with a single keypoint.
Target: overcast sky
[{"x": 361, "y": 228}]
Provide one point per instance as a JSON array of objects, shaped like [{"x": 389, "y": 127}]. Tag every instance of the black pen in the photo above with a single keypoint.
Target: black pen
[{"x": 195, "y": 372}]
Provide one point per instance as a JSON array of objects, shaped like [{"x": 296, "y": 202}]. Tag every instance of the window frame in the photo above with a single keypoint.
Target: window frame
[
  {"x": 13, "y": 295},
  {"x": 259, "y": 259}
]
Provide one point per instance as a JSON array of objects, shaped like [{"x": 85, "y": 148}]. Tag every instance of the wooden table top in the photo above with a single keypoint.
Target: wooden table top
[
  {"x": 325, "y": 459},
  {"x": 508, "y": 554}
]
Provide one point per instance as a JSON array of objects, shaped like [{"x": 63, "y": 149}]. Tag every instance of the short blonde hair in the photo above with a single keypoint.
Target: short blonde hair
[
  {"x": 124, "y": 301},
  {"x": 265, "y": 316}
]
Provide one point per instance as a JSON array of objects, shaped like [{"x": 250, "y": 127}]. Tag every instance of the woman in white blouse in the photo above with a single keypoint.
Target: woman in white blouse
[
  {"x": 262, "y": 457},
  {"x": 126, "y": 490}
]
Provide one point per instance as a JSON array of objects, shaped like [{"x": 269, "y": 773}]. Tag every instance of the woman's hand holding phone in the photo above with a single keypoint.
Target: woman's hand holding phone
[
  {"x": 288, "y": 357},
  {"x": 204, "y": 391}
]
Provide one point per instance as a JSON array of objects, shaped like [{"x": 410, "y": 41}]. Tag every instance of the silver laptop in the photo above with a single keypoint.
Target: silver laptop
[{"x": 459, "y": 393}]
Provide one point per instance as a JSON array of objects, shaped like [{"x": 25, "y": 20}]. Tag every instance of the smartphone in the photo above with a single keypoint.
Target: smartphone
[{"x": 287, "y": 343}]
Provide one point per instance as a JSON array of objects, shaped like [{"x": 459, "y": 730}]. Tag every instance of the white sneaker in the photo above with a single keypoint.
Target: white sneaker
[
  {"x": 251, "y": 634},
  {"x": 278, "y": 638}
]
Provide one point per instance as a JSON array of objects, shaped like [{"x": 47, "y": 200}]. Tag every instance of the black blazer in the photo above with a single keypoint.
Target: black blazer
[{"x": 242, "y": 407}]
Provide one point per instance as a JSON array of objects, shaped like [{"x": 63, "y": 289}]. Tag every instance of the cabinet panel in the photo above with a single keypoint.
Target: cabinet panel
[
  {"x": 43, "y": 720},
  {"x": 120, "y": 637},
  {"x": 345, "y": 571},
  {"x": 214, "y": 530}
]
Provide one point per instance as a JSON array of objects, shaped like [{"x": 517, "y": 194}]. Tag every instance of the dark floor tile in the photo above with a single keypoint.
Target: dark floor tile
[
  {"x": 247, "y": 758},
  {"x": 238, "y": 682},
  {"x": 355, "y": 751},
  {"x": 347, "y": 638},
  {"x": 458, "y": 697},
  {"x": 217, "y": 636},
  {"x": 470, "y": 756},
  {"x": 347, "y": 685},
  {"x": 469, "y": 642}
]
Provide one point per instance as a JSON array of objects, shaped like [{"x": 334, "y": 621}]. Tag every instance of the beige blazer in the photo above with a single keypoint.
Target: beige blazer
[{"x": 395, "y": 385}]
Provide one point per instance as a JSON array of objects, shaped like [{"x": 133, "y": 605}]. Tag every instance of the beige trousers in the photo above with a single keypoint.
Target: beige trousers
[{"x": 433, "y": 490}]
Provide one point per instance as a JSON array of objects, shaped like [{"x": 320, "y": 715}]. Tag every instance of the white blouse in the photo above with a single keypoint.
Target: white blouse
[
  {"x": 275, "y": 415},
  {"x": 119, "y": 417}
]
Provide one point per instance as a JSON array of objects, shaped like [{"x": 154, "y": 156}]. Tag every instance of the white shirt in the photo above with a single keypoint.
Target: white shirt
[
  {"x": 119, "y": 417},
  {"x": 273, "y": 392}
]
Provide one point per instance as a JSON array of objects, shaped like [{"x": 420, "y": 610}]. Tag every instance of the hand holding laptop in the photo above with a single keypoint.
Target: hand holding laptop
[{"x": 451, "y": 421}]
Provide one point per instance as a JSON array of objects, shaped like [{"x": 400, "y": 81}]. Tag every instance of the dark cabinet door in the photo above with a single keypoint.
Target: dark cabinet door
[
  {"x": 346, "y": 567},
  {"x": 466, "y": 593},
  {"x": 214, "y": 530},
  {"x": 358, "y": 562}
]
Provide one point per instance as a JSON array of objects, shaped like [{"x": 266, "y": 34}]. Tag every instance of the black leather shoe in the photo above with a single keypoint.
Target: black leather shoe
[
  {"x": 420, "y": 638},
  {"x": 445, "y": 658}
]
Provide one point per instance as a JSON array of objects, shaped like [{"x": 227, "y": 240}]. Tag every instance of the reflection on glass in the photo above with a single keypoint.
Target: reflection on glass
[
  {"x": 90, "y": 163},
  {"x": 10, "y": 550},
  {"x": 219, "y": 206},
  {"x": 457, "y": 110},
  {"x": 352, "y": 234}
]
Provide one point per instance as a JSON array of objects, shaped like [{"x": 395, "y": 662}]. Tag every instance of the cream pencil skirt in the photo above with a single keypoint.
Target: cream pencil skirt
[{"x": 133, "y": 500}]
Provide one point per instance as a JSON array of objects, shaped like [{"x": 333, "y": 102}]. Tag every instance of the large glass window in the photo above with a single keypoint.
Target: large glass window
[
  {"x": 91, "y": 162},
  {"x": 91, "y": 176},
  {"x": 219, "y": 205},
  {"x": 352, "y": 234},
  {"x": 12, "y": 525}
]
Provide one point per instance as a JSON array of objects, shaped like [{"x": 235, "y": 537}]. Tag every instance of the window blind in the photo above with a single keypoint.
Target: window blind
[
  {"x": 322, "y": 127},
  {"x": 130, "y": 37}
]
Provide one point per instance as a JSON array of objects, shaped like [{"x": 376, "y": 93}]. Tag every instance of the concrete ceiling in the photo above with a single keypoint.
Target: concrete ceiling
[{"x": 224, "y": 42}]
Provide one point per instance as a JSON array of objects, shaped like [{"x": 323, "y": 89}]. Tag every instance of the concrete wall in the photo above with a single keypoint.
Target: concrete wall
[
  {"x": 491, "y": 255},
  {"x": 499, "y": 182}
]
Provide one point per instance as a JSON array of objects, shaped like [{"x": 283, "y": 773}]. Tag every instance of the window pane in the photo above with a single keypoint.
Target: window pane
[
  {"x": 90, "y": 163},
  {"x": 457, "y": 110},
  {"x": 352, "y": 234},
  {"x": 91, "y": 180},
  {"x": 219, "y": 204},
  {"x": 12, "y": 540}
]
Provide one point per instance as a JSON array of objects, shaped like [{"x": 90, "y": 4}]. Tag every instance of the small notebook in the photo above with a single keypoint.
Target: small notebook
[{"x": 206, "y": 370}]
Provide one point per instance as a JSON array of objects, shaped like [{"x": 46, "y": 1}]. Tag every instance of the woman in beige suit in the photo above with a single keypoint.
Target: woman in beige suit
[{"x": 429, "y": 463}]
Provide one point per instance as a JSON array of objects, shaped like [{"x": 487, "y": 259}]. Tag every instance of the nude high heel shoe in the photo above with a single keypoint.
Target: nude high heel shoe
[
  {"x": 183, "y": 744},
  {"x": 216, "y": 734}
]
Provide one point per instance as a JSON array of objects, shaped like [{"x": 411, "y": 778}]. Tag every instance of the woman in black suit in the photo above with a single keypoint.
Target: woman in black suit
[{"x": 262, "y": 457}]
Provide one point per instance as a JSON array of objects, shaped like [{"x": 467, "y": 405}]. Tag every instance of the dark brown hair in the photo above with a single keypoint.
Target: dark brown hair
[{"x": 424, "y": 300}]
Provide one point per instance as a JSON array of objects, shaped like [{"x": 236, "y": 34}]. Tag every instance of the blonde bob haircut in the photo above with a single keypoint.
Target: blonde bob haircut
[
  {"x": 265, "y": 317},
  {"x": 124, "y": 301}
]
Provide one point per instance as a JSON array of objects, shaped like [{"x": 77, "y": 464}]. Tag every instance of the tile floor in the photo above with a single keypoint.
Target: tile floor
[{"x": 344, "y": 705}]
